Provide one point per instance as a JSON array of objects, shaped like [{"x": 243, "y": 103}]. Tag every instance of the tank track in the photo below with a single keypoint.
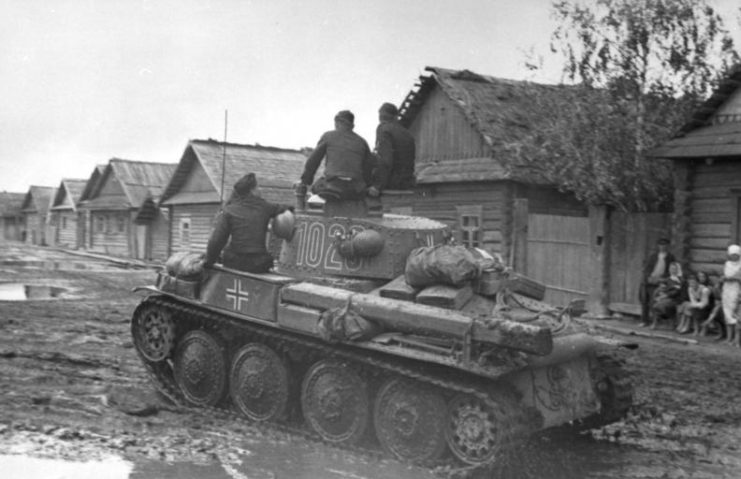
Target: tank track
[
  {"x": 520, "y": 425},
  {"x": 616, "y": 395}
]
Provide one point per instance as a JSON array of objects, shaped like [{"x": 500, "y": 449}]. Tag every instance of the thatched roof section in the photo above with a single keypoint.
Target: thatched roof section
[
  {"x": 38, "y": 199},
  {"x": 10, "y": 203},
  {"x": 277, "y": 169},
  {"x": 708, "y": 134},
  {"x": 68, "y": 194},
  {"x": 139, "y": 180},
  {"x": 502, "y": 111}
]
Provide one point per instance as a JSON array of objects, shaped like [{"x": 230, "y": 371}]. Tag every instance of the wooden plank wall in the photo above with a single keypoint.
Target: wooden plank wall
[
  {"x": 66, "y": 236},
  {"x": 33, "y": 228},
  {"x": 558, "y": 255},
  {"x": 159, "y": 231},
  {"x": 633, "y": 237},
  {"x": 201, "y": 221},
  {"x": 712, "y": 213},
  {"x": 110, "y": 240},
  {"x": 439, "y": 202},
  {"x": 442, "y": 131}
]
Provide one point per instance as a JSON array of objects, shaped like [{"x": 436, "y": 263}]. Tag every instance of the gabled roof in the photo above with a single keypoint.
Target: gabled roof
[
  {"x": 277, "y": 169},
  {"x": 68, "y": 194},
  {"x": 92, "y": 182},
  {"x": 38, "y": 199},
  {"x": 139, "y": 180},
  {"x": 709, "y": 133},
  {"x": 501, "y": 110},
  {"x": 10, "y": 203}
]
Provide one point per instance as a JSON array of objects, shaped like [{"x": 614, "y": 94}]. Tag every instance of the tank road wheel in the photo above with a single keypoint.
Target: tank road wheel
[
  {"x": 334, "y": 400},
  {"x": 153, "y": 331},
  {"x": 410, "y": 421},
  {"x": 258, "y": 383},
  {"x": 476, "y": 430},
  {"x": 614, "y": 389},
  {"x": 200, "y": 368}
]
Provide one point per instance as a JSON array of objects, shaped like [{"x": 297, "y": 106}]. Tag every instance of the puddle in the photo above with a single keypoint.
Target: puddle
[
  {"x": 25, "y": 292},
  {"x": 24, "y": 467}
]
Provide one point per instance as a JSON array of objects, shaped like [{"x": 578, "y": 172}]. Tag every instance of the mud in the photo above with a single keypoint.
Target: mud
[{"x": 72, "y": 390}]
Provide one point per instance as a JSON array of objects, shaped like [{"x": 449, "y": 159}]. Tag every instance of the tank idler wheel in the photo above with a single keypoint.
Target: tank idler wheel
[
  {"x": 200, "y": 368},
  {"x": 153, "y": 331},
  {"x": 476, "y": 430},
  {"x": 334, "y": 401},
  {"x": 259, "y": 383},
  {"x": 410, "y": 420}
]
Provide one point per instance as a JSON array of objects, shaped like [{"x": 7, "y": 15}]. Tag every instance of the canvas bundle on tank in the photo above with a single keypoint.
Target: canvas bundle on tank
[{"x": 453, "y": 265}]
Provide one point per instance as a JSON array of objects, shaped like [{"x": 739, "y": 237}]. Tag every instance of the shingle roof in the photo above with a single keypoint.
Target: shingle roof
[
  {"x": 277, "y": 169},
  {"x": 501, "y": 110},
  {"x": 139, "y": 180},
  {"x": 38, "y": 199},
  {"x": 705, "y": 134},
  {"x": 10, "y": 203},
  {"x": 68, "y": 194}
]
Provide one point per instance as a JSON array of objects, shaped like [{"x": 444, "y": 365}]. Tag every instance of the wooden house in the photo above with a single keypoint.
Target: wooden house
[
  {"x": 35, "y": 210},
  {"x": 706, "y": 156},
  {"x": 194, "y": 195},
  {"x": 11, "y": 218},
  {"x": 64, "y": 213},
  {"x": 83, "y": 212},
  {"x": 114, "y": 203},
  {"x": 468, "y": 129}
]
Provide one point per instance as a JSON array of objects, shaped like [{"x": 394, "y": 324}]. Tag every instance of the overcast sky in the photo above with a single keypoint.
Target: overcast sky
[{"x": 82, "y": 81}]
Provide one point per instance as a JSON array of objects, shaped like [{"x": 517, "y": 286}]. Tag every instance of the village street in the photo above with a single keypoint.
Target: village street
[{"x": 72, "y": 388}]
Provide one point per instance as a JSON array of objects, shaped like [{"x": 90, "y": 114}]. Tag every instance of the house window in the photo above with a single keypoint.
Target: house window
[
  {"x": 470, "y": 222},
  {"x": 121, "y": 224},
  {"x": 185, "y": 232}
]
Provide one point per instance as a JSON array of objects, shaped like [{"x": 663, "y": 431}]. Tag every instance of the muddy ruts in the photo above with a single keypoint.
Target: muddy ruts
[{"x": 485, "y": 399}]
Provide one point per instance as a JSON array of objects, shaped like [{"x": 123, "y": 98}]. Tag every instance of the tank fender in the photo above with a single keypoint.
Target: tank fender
[{"x": 566, "y": 348}]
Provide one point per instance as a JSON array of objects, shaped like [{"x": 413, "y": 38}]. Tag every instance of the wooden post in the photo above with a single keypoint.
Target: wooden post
[
  {"x": 599, "y": 248},
  {"x": 681, "y": 215},
  {"x": 519, "y": 233}
]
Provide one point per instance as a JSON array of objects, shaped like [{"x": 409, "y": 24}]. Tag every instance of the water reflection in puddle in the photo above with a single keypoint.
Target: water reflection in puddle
[
  {"x": 23, "y": 467},
  {"x": 24, "y": 292}
]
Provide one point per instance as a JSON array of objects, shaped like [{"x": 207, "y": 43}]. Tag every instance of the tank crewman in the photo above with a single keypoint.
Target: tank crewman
[
  {"x": 245, "y": 220},
  {"x": 395, "y": 149},
  {"x": 349, "y": 165}
]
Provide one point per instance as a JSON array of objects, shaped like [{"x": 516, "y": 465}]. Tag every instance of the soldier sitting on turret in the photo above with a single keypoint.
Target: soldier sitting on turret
[
  {"x": 347, "y": 171},
  {"x": 245, "y": 219}
]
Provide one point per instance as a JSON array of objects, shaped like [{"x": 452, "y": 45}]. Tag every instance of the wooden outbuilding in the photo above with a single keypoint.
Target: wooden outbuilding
[
  {"x": 706, "y": 156},
  {"x": 468, "y": 130},
  {"x": 64, "y": 213},
  {"x": 11, "y": 218},
  {"x": 114, "y": 203},
  {"x": 200, "y": 184},
  {"x": 35, "y": 209}
]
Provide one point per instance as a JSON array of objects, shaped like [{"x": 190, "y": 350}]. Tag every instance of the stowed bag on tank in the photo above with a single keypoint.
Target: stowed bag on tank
[
  {"x": 442, "y": 264},
  {"x": 185, "y": 265}
]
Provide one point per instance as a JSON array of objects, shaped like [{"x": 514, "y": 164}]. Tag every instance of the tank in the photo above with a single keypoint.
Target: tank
[{"x": 334, "y": 341}]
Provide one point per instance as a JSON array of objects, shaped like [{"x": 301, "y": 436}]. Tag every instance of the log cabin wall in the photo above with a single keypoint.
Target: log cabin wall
[
  {"x": 66, "y": 228},
  {"x": 191, "y": 225},
  {"x": 159, "y": 236},
  {"x": 110, "y": 232}
]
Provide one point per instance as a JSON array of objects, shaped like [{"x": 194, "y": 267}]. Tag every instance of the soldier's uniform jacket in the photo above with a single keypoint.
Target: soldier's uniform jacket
[
  {"x": 348, "y": 168},
  {"x": 395, "y": 149}
]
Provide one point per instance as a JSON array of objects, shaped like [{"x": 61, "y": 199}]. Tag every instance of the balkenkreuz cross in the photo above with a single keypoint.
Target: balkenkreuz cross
[{"x": 236, "y": 295}]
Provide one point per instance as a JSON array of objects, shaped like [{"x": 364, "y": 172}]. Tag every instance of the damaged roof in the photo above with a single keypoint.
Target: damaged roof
[
  {"x": 277, "y": 170},
  {"x": 501, "y": 110}
]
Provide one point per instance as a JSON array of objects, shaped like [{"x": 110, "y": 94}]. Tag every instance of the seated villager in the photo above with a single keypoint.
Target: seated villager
[
  {"x": 668, "y": 295},
  {"x": 347, "y": 171},
  {"x": 715, "y": 320},
  {"x": 694, "y": 311},
  {"x": 244, "y": 223}
]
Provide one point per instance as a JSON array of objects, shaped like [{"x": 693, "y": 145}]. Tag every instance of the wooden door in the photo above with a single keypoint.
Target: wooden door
[{"x": 558, "y": 256}]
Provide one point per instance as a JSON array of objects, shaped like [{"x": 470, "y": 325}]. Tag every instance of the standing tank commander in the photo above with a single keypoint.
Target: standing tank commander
[
  {"x": 348, "y": 167},
  {"x": 395, "y": 150},
  {"x": 245, "y": 220}
]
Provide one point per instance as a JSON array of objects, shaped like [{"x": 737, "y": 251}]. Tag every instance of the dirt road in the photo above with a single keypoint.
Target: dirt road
[{"x": 71, "y": 387}]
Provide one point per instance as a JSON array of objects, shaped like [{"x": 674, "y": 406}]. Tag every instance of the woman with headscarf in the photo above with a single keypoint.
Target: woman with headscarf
[{"x": 731, "y": 293}]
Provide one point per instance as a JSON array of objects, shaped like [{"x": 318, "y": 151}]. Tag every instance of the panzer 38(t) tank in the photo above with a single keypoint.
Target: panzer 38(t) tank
[{"x": 336, "y": 340}]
